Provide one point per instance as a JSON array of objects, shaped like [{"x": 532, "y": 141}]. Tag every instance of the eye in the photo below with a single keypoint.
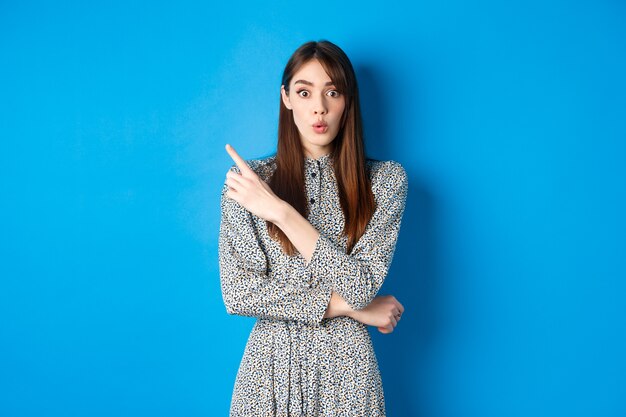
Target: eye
[
  {"x": 302, "y": 93},
  {"x": 333, "y": 93}
]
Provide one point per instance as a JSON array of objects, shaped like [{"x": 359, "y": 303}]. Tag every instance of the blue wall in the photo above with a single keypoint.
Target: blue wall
[{"x": 510, "y": 118}]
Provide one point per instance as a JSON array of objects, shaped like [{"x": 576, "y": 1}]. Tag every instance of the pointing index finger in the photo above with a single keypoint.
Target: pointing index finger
[{"x": 243, "y": 166}]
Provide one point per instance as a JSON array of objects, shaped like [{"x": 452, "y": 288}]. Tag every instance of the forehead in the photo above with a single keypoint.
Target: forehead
[{"x": 312, "y": 71}]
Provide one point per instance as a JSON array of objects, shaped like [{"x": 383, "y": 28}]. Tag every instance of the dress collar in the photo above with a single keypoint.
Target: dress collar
[{"x": 323, "y": 160}]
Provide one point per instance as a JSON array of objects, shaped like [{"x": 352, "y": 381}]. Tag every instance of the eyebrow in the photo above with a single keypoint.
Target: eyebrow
[{"x": 311, "y": 84}]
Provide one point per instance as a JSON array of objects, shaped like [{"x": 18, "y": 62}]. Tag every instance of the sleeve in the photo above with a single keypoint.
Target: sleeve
[
  {"x": 246, "y": 288},
  {"x": 358, "y": 276}
]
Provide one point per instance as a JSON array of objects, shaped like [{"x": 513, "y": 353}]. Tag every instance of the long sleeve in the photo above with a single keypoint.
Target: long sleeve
[
  {"x": 358, "y": 276},
  {"x": 247, "y": 289}
]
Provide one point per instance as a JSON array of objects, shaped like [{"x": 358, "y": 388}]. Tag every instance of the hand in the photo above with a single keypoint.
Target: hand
[
  {"x": 250, "y": 191},
  {"x": 384, "y": 312}
]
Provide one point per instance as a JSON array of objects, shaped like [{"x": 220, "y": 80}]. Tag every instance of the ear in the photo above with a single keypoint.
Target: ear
[{"x": 285, "y": 97}]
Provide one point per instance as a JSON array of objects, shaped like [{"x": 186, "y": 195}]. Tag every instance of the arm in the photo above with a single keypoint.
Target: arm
[
  {"x": 382, "y": 312},
  {"x": 253, "y": 194},
  {"x": 246, "y": 288},
  {"x": 245, "y": 187},
  {"x": 358, "y": 276}
]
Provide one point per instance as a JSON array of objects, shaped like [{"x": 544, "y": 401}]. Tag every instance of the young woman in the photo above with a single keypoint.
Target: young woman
[{"x": 306, "y": 240}]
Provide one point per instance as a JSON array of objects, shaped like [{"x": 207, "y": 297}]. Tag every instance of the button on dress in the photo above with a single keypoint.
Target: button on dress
[{"x": 297, "y": 363}]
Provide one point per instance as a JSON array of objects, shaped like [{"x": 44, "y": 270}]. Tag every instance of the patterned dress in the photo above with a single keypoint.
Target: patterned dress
[{"x": 297, "y": 363}]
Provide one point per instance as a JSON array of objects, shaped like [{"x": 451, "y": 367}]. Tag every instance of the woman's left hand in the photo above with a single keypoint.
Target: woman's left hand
[
  {"x": 384, "y": 312},
  {"x": 250, "y": 191}
]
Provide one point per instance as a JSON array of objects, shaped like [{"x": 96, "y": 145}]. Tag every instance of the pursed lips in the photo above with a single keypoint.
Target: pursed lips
[{"x": 320, "y": 127}]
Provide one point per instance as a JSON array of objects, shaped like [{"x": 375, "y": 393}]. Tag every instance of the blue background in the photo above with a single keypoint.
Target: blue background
[{"x": 510, "y": 118}]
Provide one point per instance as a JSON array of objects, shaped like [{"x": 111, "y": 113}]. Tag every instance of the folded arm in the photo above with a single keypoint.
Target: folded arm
[
  {"x": 247, "y": 289},
  {"x": 358, "y": 276},
  {"x": 349, "y": 281}
]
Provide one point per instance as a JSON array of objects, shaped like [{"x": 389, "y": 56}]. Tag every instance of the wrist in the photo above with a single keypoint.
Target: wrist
[
  {"x": 281, "y": 213},
  {"x": 354, "y": 314},
  {"x": 341, "y": 307}
]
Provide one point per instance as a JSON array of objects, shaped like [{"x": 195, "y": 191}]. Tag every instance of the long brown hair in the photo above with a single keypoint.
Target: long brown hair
[{"x": 287, "y": 182}]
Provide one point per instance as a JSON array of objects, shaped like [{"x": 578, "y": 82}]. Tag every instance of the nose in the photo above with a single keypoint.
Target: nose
[{"x": 319, "y": 106}]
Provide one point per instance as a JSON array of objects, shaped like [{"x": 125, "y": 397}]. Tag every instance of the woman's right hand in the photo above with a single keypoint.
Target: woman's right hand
[
  {"x": 384, "y": 312},
  {"x": 254, "y": 194}
]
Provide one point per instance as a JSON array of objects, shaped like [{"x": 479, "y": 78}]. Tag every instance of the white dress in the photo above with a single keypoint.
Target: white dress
[{"x": 297, "y": 363}]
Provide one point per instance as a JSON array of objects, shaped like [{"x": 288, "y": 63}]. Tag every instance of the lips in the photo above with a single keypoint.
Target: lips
[{"x": 320, "y": 127}]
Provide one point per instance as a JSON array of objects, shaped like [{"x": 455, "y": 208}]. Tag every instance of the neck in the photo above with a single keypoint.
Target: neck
[{"x": 318, "y": 152}]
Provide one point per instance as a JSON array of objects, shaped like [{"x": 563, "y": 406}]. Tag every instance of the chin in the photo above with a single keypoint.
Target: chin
[
  {"x": 320, "y": 144},
  {"x": 320, "y": 140}
]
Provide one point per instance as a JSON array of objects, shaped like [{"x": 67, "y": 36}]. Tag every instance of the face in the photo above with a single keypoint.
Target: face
[{"x": 317, "y": 108}]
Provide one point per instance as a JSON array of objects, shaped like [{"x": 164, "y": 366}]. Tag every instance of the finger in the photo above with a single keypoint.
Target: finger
[
  {"x": 234, "y": 178},
  {"x": 232, "y": 194},
  {"x": 232, "y": 185},
  {"x": 401, "y": 308},
  {"x": 241, "y": 164},
  {"x": 397, "y": 316}
]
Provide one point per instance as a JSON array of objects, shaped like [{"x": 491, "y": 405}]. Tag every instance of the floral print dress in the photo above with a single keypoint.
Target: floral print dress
[{"x": 297, "y": 363}]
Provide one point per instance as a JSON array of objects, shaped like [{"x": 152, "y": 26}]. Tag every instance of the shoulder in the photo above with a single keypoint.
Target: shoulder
[
  {"x": 387, "y": 176},
  {"x": 263, "y": 167}
]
